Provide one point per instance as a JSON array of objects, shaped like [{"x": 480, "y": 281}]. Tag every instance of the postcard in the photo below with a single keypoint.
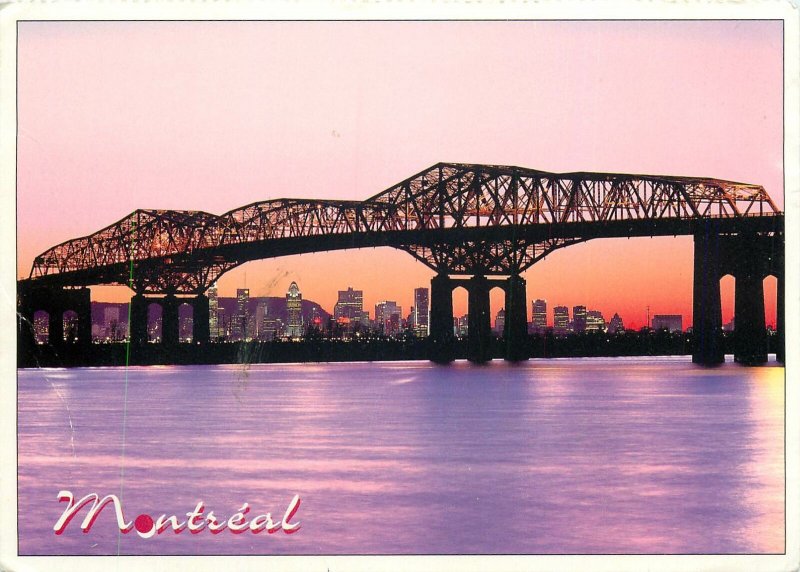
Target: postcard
[{"x": 376, "y": 286}]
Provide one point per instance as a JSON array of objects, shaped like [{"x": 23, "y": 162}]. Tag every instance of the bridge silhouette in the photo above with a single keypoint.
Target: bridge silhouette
[{"x": 476, "y": 226}]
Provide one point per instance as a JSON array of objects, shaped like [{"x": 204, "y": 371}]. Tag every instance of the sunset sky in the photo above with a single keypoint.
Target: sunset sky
[{"x": 115, "y": 116}]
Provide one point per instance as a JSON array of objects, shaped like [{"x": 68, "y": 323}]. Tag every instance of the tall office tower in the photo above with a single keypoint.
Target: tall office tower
[
  {"x": 387, "y": 317},
  {"x": 316, "y": 318},
  {"x": 252, "y": 327},
  {"x": 500, "y": 322},
  {"x": 595, "y": 322},
  {"x": 349, "y": 308},
  {"x": 294, "y": 312},
  {"x": 239, "y": 329},
  {"x": 223, "y": 324},
  {"x": 261, "y": 318},
  {"x": 579, "y": 319},
  {"x": 366, "y": 323},
  {"x": 615, "y": 325},
  {"x": 670, "y": 322},
  {"x": 272, "y": 328},
  {"x": 395, "y": 324},
  {"x": 422, "y": 312},
  {"x": 560, "y": 319},
  {"x": 213, "y": 306},
  {"x": 539, "y": 313}
]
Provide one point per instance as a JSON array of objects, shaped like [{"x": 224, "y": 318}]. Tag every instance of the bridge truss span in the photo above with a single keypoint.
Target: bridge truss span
[{"x": 456, "y": 218}]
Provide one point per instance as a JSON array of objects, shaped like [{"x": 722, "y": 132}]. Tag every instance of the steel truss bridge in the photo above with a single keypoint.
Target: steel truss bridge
[{"x": 482, "y": 221}]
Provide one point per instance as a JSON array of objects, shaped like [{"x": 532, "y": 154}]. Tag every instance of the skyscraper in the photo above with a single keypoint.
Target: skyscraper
[
  {"x": 223, "y": 324},
  {"x": 500, "y": 322},
  {"x": 213, "y": 305},
  {"x": 239, "y": 329},
  {"x": 579, "y": 319},
  {"x": 259, "y": 328},
  {"x": 294, "y": 312},
  {"x": 349, "y": 308},
  {"x": 560, "y": 319},
  {"x": 387, "y": 317},
  {"x": 421, "y": 314},
  {"x": 670, "y": 322},
  {"x": 616, "y": 324},
  {"x": 316, "y": 318},
  {"x": 272, "y": 328},
  {"x": 595, "y": 322},
  {"x": 462, "y": 329},
  {"x": 539, "y": 313}
]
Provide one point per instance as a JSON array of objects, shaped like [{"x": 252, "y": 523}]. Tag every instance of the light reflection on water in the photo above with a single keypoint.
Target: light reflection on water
[{"x": 551, "y": 456}]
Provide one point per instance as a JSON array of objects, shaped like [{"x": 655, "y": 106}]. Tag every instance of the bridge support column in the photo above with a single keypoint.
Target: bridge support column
[
  {"x": 201, "y": 332},
  {"x": 480, "y": 327},
  {"x": 169, "y": 321},
  {"x": 515, "y": 330},
  {"x": 441, "y": 324},
  {"x": 707, "y": 306},
  {"x": 82, "y": 304},
  {"x": 780, "y": 340},
  {"x": 138, "y": 325},
  {"x": 26, "y": 334},
  {"x": 750, "y": 331},
  {"x": 55, "y": 326}
]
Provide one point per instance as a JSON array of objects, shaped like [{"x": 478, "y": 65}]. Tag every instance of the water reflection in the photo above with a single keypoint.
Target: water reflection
[{"x": 569, "y": 456}]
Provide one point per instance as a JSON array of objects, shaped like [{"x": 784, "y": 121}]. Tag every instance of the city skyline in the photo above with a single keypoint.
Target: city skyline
[
  {"x": 637, "y": 315},
  {"x": 348, "y": 313},
  {"x": 98, "y": 144}
]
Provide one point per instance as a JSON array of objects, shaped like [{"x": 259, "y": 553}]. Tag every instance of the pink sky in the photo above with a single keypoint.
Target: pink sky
[{"x": 214, "y": 115}]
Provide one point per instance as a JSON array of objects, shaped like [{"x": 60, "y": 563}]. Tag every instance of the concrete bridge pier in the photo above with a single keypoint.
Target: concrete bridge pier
[
  {"x": 750, "y": 329},
  {"x": 55, "y": 301},
  {"x": 441, "y": 320},
  {"x": 516, "y": 326},
  {"x": 480, "y": 327},
  {"x": 55, "y": 326},
  {"x": 707, "y": 306},
  {"x": 201, "y": 332},
  {"x": 26, "y": 335},
  {"x": 138, "y": 325},
  {"x": 169, "y": 321},
  {"x": 82, "y": 305},
  {"x": 749, "y": 258}
]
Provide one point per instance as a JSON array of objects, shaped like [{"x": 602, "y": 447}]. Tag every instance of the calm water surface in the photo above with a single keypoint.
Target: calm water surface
[{"x": 552, "y": 456}]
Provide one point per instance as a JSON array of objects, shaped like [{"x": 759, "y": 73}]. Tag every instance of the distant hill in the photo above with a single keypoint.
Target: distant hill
[{"x": 276, "y": 306}]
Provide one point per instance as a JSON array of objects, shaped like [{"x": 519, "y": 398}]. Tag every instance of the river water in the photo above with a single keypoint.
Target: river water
[{"x": 572, "y": 456}]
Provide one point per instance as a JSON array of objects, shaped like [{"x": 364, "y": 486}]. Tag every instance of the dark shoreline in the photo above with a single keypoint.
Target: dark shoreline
[{"x": 335, "y": 350}]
